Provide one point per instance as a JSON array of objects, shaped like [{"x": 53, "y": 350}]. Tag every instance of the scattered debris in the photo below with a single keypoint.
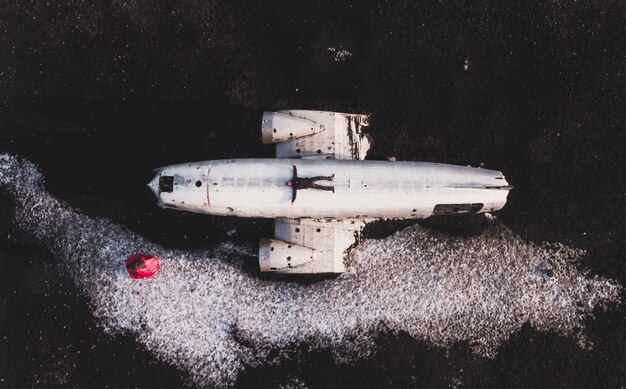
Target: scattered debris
[
  {"x": 466, "y": 64},
  {"x": 340, "y": 53}
]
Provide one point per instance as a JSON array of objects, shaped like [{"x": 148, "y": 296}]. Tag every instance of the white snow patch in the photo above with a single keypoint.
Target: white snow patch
[
  {"x": 293, "y": 383},
  {"x": 205, "y": 315}
]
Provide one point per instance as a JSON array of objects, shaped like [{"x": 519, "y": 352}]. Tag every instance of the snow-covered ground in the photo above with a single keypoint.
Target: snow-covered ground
[{"x": 207, "y": 316}]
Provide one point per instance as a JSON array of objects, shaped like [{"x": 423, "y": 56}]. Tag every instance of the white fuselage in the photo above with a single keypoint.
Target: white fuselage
[{"x": 363, "y": 189}]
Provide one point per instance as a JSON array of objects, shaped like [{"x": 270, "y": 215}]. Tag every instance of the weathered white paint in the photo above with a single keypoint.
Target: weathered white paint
[
  {"x": 313, "y": 233},
  {"x": 316, "y": 134},
  {"x": 330, "y": 238},
  {"x": 363, "y": 189}
]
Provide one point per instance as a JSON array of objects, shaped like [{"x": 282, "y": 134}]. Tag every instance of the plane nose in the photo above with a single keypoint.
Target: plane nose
[{"x": 154, "y": 186}]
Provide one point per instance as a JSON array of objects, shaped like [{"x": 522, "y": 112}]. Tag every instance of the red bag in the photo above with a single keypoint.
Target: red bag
[{"x": 142, "y": 266}]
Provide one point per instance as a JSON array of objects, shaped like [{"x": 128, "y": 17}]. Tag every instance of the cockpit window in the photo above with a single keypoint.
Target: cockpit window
[{"x": 166, "y": 184}]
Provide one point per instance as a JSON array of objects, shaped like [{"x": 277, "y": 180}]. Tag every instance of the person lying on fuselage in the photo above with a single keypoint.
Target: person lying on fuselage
[{"x": 297, "y": 183}]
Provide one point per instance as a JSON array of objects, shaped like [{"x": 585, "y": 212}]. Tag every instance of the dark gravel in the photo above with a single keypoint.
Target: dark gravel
[{"x": 99, "y": 95}]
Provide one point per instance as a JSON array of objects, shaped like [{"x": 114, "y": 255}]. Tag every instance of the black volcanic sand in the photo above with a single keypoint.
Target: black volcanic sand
[{"x": 100, "y": 95}]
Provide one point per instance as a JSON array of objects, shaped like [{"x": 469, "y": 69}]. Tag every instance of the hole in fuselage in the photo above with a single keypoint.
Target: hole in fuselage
[{"x": 198, "y": 183}]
